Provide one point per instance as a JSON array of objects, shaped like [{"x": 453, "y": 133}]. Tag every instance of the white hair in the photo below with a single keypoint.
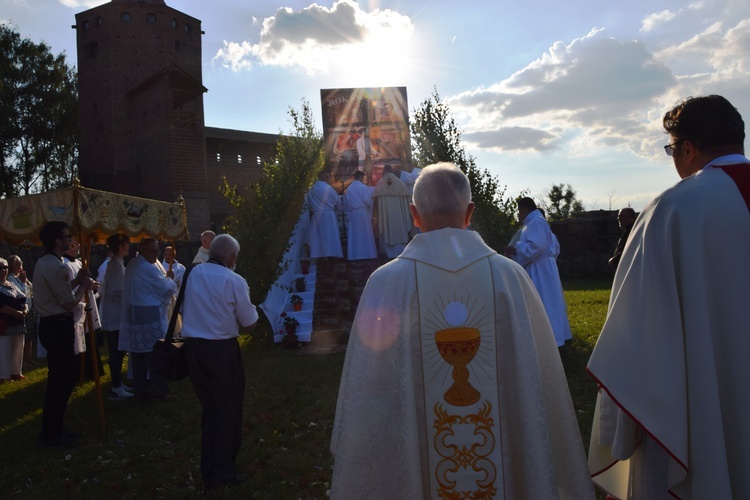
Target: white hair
[
  {"x": 224, "y": 248},
  {"x": 442, "y": 189}
]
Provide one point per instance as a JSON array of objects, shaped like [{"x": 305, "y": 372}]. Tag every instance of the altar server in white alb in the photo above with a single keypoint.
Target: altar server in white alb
[
  {"x": 536, "y": 250},
  {"x": 673, "y": 359},
  {"x": 360, "y": 242},
  {"x": 323, "y": 202},
  {"x": 452, "y": 385}
]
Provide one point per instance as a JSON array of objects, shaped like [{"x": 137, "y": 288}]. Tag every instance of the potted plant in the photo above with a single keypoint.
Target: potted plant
[
  {"x": 300, "y": 285},
  {"x": 305, "y": 264},
  {"x": 296, "y": 301},
  {"x": 290, "y": 324},
  {"x": 289, "y": 341}
]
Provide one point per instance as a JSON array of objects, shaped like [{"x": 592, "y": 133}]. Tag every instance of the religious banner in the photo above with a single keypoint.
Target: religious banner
[{"x": 365, "y": 129}]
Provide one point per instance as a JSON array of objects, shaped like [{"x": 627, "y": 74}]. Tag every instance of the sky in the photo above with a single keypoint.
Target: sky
[{"x": 544, "y": 92}]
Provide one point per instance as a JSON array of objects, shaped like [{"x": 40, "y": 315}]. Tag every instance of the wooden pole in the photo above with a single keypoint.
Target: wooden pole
[{"x": 85, "y": 255}]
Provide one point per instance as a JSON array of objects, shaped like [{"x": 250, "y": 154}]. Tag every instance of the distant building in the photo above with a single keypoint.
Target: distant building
[{"x": 141, "y": 113}]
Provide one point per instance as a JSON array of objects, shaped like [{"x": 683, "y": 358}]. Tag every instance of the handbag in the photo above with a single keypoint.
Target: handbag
[
  {"x": 169, "y": 357},
  {"x": 3, "y": 324}
]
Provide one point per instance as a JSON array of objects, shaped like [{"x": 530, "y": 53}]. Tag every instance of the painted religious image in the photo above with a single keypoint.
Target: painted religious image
[{"x": 365, "y": 129}]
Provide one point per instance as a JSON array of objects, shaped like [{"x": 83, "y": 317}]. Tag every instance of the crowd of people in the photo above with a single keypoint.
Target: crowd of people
[
  {"x": 377, "y": 218},
  {"x": 453, "y": 384}
]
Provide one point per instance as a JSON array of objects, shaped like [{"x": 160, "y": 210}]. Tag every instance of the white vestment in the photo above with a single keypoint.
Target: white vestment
[
  {"x": 673, "y": 353},
  {"x": 79, "y": 316},
  {"x": 358, "y": 206},
  {"x": 418, "y": 418},
  {"x": 146, "y": 294},
  {"x": 323, "y": 201},
  {"x": 394, "y": 220},
  {"x": 537, "y": 250},
  {"x": 178, "y": 270}
]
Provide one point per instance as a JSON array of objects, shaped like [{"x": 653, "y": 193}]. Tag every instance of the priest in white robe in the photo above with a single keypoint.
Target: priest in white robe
[
  {"x": 452, "y": 385},
  {"x": 323, "y": 202},
  {"x": 536, "y": 250},
  {"x": 392, "y": 198},
  {"x": 360, "y": 240},
  {"x": 146, "y": 294},
  {"x": 672, "y": 359}
]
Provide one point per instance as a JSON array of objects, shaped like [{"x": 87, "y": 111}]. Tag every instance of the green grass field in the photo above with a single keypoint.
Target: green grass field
[{"x": 153, "y": 450}]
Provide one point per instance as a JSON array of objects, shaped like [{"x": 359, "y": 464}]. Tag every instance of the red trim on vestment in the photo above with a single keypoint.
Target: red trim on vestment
[
  {"x": 740, "y": 174},
  {"x": 672, "y": 455}
]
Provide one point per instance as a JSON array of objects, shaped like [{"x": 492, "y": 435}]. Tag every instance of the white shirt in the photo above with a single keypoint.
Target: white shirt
[
  {"x": 201, "y": 257},
  {"x": 177, "y": 268},
  {"x": 216, "y": 301}
]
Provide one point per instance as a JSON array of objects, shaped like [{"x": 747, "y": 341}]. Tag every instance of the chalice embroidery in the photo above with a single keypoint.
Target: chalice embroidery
[{"x": 457, "y": 345}]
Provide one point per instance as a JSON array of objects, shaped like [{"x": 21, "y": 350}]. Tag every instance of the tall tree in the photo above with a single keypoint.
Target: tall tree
[
  {"x": 38, "y": 117},
  {"x": 562, "y": 203},
  {"x": 269, "y": 209},
  {"x": 435, "y": 138}
]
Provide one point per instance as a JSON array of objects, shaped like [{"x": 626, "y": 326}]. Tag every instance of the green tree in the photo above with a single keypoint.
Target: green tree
[
  {"x": 268, "y": 209},
  {"x": 562, "y": 204},
  {"x": 435, "y": 138},
  {"x": 38, "y": 117}
]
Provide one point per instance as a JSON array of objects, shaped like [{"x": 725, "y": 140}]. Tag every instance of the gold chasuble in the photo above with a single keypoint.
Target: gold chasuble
[
  {"x": 458, "y": 363},
  {"x": 452, "y": 385}
]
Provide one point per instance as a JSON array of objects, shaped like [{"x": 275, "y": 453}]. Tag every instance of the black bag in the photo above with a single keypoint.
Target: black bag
[{"x": 169, "y": 358}]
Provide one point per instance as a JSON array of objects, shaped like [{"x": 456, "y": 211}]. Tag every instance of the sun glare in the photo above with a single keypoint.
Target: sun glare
[{"x": 382, "y": 59}]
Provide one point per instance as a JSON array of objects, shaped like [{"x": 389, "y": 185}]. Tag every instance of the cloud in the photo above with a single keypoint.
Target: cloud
[
  {"x": 316, "y": 38},
  {"x": 597, "y": 91},
  {"x": 75, "y": 4},
  {"x": 595, "y": 85},
  {"x": 653, "y": 20},
  {"x": 511, "y": 138}
]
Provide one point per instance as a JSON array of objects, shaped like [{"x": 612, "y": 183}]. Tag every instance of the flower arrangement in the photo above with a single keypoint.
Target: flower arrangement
[
  {"x": 290, "y": 321},
  {"x": 296, "y": 301}
]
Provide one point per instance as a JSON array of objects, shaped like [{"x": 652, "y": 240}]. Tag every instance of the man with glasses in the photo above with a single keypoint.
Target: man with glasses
[
  {"x": 55, "y": 301},
  {"x": 672, "y": 359}
]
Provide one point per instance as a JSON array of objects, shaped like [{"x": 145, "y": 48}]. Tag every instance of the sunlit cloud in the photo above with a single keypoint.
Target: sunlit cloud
[
  {"x": 597, "y": 91},
  {"x": 655, "y": 19},
  {"x": 319, "y": 39},
  {"x": 87, "y": 4}
]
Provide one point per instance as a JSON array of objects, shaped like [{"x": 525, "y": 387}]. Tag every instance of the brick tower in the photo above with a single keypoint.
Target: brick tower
[{"x": 141, "y": 104}]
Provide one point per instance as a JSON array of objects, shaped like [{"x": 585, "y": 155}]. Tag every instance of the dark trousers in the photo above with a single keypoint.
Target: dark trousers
[
  {"x": 56, "y": 335},
  {"x": 115, "y": 358},
  {"x": 145, "y": 381},
  {"x": 218, "y": 378}
]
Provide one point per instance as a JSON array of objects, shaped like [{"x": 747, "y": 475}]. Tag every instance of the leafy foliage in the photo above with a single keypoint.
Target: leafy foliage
[
  {"x": 562, "y": 202},
  {"x": 269, "y": 209},
  {"x": 436, "y": 138},
  {"x": 38, "y": 117}
]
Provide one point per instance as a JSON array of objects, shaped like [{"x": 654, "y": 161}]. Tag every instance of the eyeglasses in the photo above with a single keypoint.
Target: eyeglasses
[{"x": 670, "y": 148}]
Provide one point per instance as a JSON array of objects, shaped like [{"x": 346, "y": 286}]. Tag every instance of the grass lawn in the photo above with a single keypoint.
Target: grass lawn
[{"x": 153, "y": 450}]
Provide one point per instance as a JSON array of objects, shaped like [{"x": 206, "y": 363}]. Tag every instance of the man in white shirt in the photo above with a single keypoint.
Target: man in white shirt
[
  {"x": 170, "y": 262},
  {"x": 216, "y": 301},
  {"x": 206, "y": 239}
]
